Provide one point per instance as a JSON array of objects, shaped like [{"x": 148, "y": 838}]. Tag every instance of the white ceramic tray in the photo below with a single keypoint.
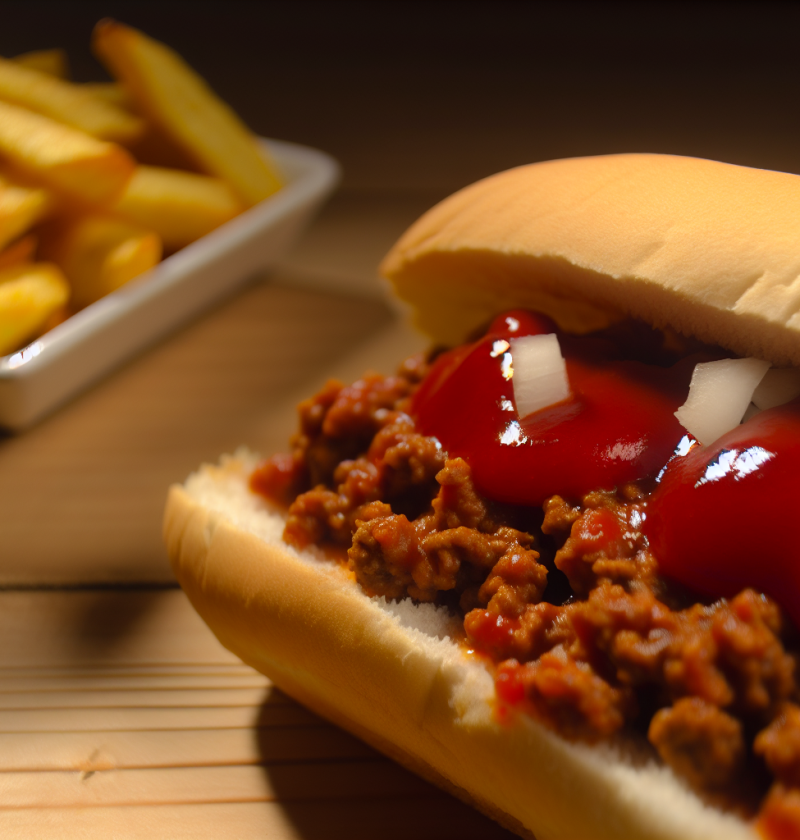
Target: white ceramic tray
[{"x": 50, "y": 370}]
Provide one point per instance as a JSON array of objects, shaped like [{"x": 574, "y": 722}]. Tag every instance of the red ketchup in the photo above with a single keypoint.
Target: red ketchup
[
  {"x": 723, "y": 516},
  {"x": 617, "y": 426}
]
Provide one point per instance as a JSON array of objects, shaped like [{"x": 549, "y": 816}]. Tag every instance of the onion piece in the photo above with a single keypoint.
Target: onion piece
[
  {"x": 779, "y": 386},
  {"x": 540, "y": 373},
  {"x": 719, "y": 395},
  {"x": 751, "y": 411}
]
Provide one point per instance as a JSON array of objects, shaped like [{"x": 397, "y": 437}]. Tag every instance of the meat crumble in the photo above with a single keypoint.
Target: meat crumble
[{"x": 566, "y": 601}]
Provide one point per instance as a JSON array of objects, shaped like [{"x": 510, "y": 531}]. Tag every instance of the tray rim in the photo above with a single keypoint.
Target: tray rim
[{"x": 311, "y": 175}]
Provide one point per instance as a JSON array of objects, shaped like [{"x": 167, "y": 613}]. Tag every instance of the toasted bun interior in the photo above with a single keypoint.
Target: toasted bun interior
[
  {"x": 391, "y": 674},
  {"x": 707, "y": 248}
]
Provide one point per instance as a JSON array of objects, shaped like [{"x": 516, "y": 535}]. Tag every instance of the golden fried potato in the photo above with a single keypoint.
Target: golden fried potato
[
  {"x": 68, "y": 103},
  {"x": 20, "y": 209},
  {"x": 101, "y": 212},
  {"x": 21, "y": 251},
  {"x": 171, "y": 94},
  {"x": 99, "y": 254},
  {"x": 179, "y": 206},
  {"x": 29, "y": 296},
  {"x": 114, "y": 94},
  {"x": 54, "y": 155},
  {"x": 157, "y": 148},
  {"x": 53, "y": 62}
]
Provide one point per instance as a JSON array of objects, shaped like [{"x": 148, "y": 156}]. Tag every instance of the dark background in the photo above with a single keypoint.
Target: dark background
[{"x": 431, "y": 95}]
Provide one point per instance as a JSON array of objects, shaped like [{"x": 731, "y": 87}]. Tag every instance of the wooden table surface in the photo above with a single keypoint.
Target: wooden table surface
[
  {"x": 81, "y": 493},
  {"x": 120, "y": 714},
  {"x": 122, "y": 717}
]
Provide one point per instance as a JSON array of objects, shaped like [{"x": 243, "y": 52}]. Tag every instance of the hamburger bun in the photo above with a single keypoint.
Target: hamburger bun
[
  {"x": 390, "y": 674},
  {"x": 708, "y": 249}
]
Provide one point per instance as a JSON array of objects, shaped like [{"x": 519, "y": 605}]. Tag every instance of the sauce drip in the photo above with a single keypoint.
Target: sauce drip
[
  {"x": 618, "y": 425},
  {"x": 724, "y": 516}
]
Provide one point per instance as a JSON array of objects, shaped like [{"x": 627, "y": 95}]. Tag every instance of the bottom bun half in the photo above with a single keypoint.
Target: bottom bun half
[{"x": 390, "y": 674}]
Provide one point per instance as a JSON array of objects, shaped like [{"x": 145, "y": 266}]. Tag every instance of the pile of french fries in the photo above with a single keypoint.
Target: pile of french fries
[{"x": 99, "y": 181}]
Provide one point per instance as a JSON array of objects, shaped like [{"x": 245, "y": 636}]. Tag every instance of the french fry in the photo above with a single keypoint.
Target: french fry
[
  {"x": 179, "y": 206},
  {"x": 111, "y": 92},
  {"x": 65, "y": 102},
  {"x": 56, "y": 317},
  {"x": 156, "y": 148},
  {"x": 88, "y": 170},
  {"x": 53, "y": 62},
  {"x": 102, "y": 212},
  {"x": 20, "y": 209},
  {"x": 99, "y": 254},
  {"x": 171, "y": 94},
  {"x": 29, "y": 295},
  {"x": 21, "y": 251}
]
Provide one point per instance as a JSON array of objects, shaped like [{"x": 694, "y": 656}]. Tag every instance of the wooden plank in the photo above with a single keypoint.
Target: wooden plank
[
  {"x": 102, "y": 628},
  {"x": 397, "y": 818},
  {"x": 122, "y": 717},
  {"x": 32, "y": 683},
  {"x": 155, "y": 786},
  {"x": 136, "y": 718},
  {"x": 197, "y": 669},
  {"x": 222, "y": 697},
  {"x": 92, "y": 751}
]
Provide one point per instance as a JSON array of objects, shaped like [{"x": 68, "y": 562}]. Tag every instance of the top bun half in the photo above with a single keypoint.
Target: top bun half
[{"x": 706, "y": 248}]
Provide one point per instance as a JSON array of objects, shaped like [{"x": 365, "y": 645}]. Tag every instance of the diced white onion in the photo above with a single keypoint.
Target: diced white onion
[
  {"x": 750, "y": 412},
  {"x": 779, "y": 386},
  {"x": 540, "y": 373},
  {"x": 719, "y": 395}
]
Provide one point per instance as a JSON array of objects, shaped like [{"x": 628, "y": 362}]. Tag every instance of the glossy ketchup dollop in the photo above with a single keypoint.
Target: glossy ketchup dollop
[
  {"x": 618, "y": 425},
  {"x": 727, "y": 516}
]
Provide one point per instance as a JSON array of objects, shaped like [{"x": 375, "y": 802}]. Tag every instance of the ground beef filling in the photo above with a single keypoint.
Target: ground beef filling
[{"x": 566, "y": 601}]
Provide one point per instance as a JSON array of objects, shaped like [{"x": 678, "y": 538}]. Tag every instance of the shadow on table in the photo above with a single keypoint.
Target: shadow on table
[
  {"x": 331, "y": 785},
  {"x": 106, "y": 622}
]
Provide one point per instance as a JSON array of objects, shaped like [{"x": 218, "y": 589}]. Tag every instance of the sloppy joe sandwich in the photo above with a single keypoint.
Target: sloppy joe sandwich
[{"x": 550, "y": 565}]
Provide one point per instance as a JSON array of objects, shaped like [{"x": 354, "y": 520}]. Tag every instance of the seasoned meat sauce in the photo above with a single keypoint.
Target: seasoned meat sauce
[{"x": 565, "y": 599}]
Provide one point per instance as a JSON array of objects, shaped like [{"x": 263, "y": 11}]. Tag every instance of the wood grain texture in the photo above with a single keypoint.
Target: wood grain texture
[
  {"x": 137, "y": 723},
  {"x": 120, "y": 714},
  {"x": 81, "y": 494}
]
